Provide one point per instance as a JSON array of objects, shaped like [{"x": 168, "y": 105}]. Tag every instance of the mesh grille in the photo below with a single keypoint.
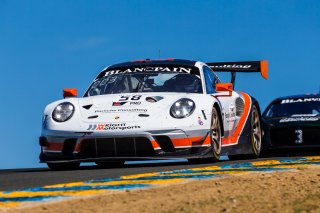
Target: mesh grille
[
  {"x": 239, "y": 106},
  {"x": 68, "y": 146},
  {"x": 117, "y": 147}
]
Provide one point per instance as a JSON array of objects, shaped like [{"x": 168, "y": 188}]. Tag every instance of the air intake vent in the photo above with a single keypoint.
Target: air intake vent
[
  {"x": 68, "y": 146},
  {"x": 239, "y": 106},
  {"x": 117, "y": 147},
  {"x": 154, "y": 99},
  {"x": 87, "y": 106},
  {"x": 165, "y": 143}
]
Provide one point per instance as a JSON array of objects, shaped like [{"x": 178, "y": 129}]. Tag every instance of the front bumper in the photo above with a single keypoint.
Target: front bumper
[
  {"x": 164, "y": 144},
  {"x": 285, "y": 137}
]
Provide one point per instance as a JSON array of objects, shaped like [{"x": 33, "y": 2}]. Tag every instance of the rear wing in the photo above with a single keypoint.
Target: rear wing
[{"x": 243, "y": 66}]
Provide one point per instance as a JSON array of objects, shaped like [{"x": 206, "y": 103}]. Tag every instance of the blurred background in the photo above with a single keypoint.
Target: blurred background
[{"x": 46, "y": 46}]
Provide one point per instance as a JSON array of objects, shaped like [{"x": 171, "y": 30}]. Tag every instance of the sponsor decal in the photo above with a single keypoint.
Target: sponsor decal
[
  {"x": 135, "y": 103},
  {"x": 111, "y": 126},
  {"x": 229, "y": 115},
  {"x": 304, "y": 115},
  {"x": 238, "y": 66},
  {"x": 295, "y": 119},
  {"x": 120, "y": 110},
  {"x": 150, "y": 69},
  {"x": 299, "y": 100},
  {"x": 118, "y": 103},
  {"x": 200, "y": 122},
  {"x": 133, "y": 100}
]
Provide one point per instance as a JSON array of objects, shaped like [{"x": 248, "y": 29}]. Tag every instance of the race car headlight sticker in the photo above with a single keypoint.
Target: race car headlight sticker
[
  {"x": 182, "y": 108},
  {"x": 63, "y": 112}
]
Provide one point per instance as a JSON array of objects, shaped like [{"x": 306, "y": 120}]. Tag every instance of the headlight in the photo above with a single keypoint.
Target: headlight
[
  {"x": 182, "y": 108},
  {"x": 63, "y": 112}
]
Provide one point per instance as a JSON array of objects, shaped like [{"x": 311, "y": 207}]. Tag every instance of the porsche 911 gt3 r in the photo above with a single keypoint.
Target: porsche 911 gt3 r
[
  {"x": 154, "y": 109},
  {"x": 292, "y": 122}
]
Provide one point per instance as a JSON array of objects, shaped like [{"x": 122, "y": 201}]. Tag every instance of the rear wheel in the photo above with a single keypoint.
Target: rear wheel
[
  {"x": 256, "y": 137},
  {"x": 256, "y": 133},
  {"x": 63, "y": 166}
]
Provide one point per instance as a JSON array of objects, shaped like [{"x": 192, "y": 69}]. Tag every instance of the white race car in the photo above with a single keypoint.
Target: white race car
[{"x": 154, "y": 109}]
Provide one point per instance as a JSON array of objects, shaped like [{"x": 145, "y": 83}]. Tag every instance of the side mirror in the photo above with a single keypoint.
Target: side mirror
[
  {"x": 70, "y": 92},
  {"x": 225, "y": 87}
]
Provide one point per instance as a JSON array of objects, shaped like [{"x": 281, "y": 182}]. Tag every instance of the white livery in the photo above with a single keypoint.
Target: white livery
[{"x": 153, "y": 109}]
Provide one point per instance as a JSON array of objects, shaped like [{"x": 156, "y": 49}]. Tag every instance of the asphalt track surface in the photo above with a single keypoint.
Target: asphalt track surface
[{"x": 15, "y": 179}]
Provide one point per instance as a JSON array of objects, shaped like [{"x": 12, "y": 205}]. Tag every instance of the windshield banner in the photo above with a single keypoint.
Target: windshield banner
[{"x": 165, "y": 68}]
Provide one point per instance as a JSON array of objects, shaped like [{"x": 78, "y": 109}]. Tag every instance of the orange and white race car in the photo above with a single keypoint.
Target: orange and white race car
[{"x": 154, "y": 109}]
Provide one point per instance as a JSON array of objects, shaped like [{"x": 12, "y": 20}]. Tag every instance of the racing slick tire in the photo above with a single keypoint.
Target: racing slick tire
[
  {"x": 215, "y": 139},
  {"x": 63, "y": 166},
  {"x": 256, "y": 137},
  {"x": 112, "y": 164},
  {"x": 215, "y": 134}
]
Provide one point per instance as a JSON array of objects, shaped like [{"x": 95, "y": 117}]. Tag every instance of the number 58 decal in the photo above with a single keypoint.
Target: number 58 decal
[{"x": 131, "y": 98}]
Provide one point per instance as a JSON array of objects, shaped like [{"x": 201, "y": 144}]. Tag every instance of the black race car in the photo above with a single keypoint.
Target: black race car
[{"x": 292, "y": 122}]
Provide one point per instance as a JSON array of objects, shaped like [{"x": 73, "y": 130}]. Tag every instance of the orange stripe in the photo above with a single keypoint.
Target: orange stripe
[
  {"x": 53, "y": 146},
  {"x": 77, "y": 148},
  {"x": 207, "y": 141},
  {"x": 233, "y": 139},
  {"x": 189, "y": 141},
  {"x": 155, "y": 145},
  {"x": 181, "y": 142},
  {"x": 184, "y": 142}
]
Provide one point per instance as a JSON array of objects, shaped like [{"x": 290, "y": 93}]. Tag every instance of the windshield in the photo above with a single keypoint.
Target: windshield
[
  {"x": 145, "y": 82},
  {"x": 290, "y": 109}
]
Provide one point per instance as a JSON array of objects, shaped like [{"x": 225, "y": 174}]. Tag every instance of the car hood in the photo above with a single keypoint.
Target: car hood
[{"x": 127, "y": 107}]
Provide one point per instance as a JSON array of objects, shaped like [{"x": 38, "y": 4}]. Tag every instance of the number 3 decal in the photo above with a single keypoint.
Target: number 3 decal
[{"x": 299, "y": 135}]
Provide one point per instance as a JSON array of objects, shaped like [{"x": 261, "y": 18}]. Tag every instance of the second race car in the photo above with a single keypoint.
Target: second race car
[{"x": 292, "y": 122}]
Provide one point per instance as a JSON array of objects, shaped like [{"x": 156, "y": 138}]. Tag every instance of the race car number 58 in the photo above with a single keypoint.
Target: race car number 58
[{"x": 133, "y": 98}]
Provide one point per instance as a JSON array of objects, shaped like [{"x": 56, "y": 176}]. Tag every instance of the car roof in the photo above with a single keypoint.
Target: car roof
[
  {"x": 168, "y": 61},
  {"x": 301, "y": 96},
  {"x": 150, "y": 63},
  {"x": 308, "y": 95}
]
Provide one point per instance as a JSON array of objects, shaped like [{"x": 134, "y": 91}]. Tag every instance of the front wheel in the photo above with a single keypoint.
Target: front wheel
[
  {"x": 215, "y": 139},
  {"x": 63, "y": 166},
  {"x": 215, "y": 134}
]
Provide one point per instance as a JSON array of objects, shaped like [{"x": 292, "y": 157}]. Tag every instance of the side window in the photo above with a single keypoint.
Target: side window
[{"x": 210, "y": 79}]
